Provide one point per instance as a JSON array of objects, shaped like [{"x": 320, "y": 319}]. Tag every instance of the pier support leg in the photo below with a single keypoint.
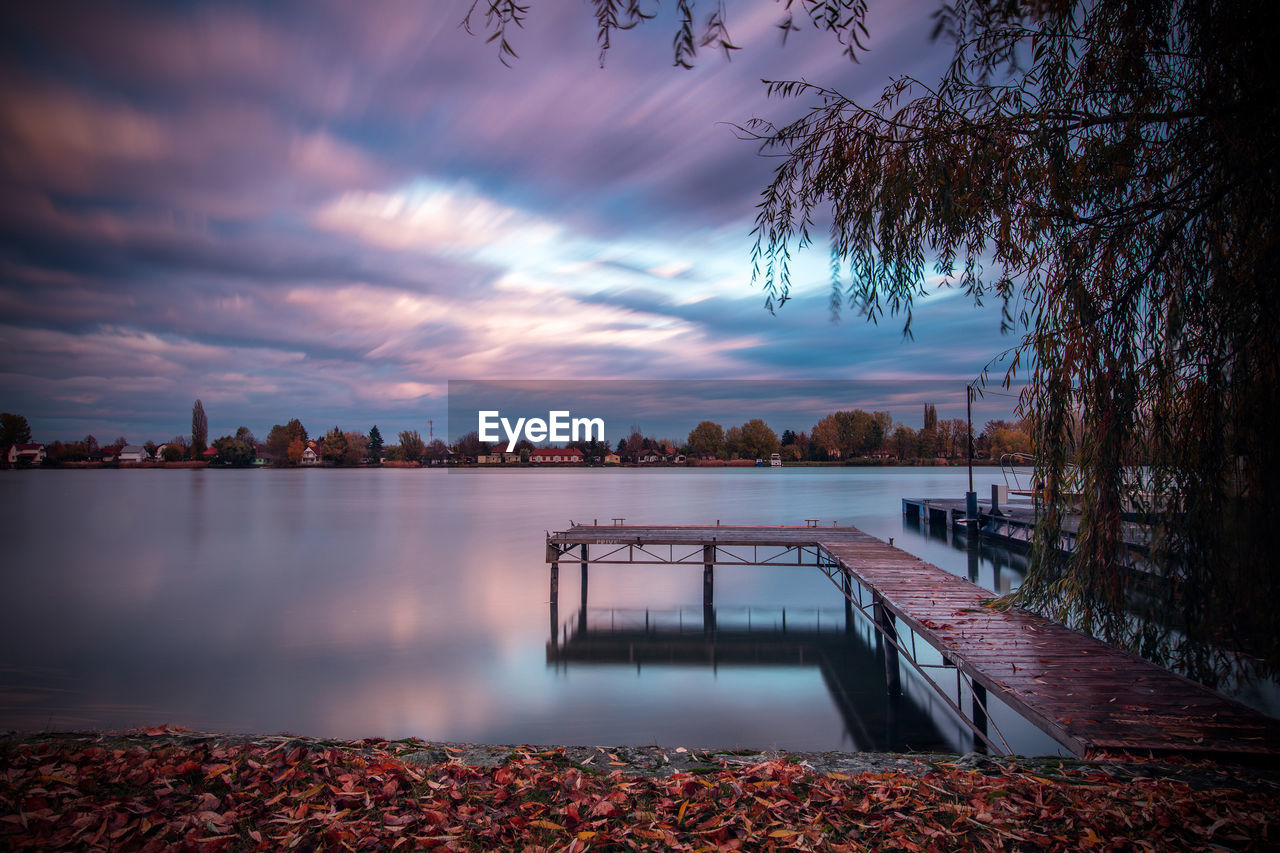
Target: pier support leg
[
  {"x": 582, "y": 610},
  {"x": 847, "y": 587},
  {"x": 979, "y": 714},
  {"x": 971, "y": 515},
  {"x": 708, "y": 574},
  {"x": 555, "y": 602},
  {"x": 888, "y": 625},
  {"x": 972, "y": 553},
  {"x": 555, "y": 626}
]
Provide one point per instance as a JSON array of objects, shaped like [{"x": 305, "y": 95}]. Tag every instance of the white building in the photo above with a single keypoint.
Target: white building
[{"x": 134, "y": 453}]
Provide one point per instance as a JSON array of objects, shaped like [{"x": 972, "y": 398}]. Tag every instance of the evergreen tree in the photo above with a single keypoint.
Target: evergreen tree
[
  {"x": 375, "y": 445},
  {"x": 14, "y": 429}
]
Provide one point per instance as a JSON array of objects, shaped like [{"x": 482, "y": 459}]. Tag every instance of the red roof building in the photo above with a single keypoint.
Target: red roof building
[
  {"x": 556, "y": 455},
  {"x": 31, "y": 453}
]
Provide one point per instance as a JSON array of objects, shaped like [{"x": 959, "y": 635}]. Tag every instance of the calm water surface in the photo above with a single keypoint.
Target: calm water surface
[{"x": 395, "y": 603}]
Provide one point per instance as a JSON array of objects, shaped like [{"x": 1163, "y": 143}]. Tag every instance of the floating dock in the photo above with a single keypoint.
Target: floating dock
[{"x": 1090, "y": 697}]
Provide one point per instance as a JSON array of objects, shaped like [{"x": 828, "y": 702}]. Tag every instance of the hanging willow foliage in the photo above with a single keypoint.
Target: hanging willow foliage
[{"x": 1109, "y": 171}]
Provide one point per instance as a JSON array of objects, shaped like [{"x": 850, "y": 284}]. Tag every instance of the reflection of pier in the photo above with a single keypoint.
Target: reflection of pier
[
  {"x": 1088, "y": 696},
  {"x": 848, "y": 660}
]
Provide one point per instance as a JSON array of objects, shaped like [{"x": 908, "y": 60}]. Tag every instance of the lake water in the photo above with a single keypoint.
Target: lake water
[{"x": 395, "y": 603}]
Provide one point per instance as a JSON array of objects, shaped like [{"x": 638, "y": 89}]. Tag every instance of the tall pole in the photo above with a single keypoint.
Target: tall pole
[
  {"x": 968, "y": 394},
  {"x": 970, "y": 497}
]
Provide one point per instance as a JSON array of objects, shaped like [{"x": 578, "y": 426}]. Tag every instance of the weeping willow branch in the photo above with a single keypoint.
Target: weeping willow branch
[
  {"x": 1112, "y": 166},
  {"x": 1108, "y": 171}
]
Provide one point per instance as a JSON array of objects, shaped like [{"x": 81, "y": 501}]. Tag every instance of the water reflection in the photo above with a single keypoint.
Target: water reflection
[
  {"x": 354, "y": 603},
  {"x": 754, "y": 637}
]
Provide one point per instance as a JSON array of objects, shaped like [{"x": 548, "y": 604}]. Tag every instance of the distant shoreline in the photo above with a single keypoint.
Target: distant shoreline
[{"x": 507, "y": 466}]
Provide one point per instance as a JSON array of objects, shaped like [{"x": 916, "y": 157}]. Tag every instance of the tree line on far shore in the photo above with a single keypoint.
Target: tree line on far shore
[{"x": 842, "y": 436}]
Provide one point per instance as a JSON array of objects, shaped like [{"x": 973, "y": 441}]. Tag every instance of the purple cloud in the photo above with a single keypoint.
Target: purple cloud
[{"x": 328, "y": 210}]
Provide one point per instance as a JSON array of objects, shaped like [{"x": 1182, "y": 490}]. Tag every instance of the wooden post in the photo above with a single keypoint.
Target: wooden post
[
  {"x": 847, "y": 588},
  {"x": 708, "y": 575},
  {"x": 553, "y": 557},
  {"x": 555, "y": 626},
  {"x": 888, "y": 627},
  {"x": 582, "y": 610}
]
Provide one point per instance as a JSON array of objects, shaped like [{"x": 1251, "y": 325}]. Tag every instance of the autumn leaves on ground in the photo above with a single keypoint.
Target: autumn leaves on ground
[{"x": 152, "y": 791}]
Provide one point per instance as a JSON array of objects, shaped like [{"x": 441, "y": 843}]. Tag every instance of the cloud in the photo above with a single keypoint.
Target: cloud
[
  {"x": 433, "y": 218},
  {"x": 328, "y": 210}
]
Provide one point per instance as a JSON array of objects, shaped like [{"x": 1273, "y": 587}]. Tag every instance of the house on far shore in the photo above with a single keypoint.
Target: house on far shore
[
  {"x": 501, "y": 453},
  {"x": 449, "y": 458},
  {"x": 134, "y": 453},
  {"x": 669, "y": 456},
  {"x": 556, "y": 455},
  {"x": 26, "y": 454},
  {"x": 311, "y": 455},
  {"x": 612, "y": 459},
  {"x": 262, "y": 456}
]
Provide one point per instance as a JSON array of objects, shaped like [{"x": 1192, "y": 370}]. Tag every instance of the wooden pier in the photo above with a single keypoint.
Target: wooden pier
[{"x": 1088, "y": 696}]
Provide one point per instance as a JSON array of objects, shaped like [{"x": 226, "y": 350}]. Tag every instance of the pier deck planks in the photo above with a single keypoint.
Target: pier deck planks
[{"x": 1087, "y": 695}]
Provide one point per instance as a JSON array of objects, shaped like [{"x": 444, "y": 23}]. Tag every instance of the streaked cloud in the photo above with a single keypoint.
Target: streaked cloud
[
  {"x": 435, "y": 219},
  {"x": 326, "y": 211}
]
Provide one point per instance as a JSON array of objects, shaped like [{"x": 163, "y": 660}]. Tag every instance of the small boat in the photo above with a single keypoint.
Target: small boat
[{"x": 775, "y": 461}]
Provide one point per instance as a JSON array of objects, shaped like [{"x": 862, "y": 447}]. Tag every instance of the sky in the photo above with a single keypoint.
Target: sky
[{"x": 329, "y": 210}]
